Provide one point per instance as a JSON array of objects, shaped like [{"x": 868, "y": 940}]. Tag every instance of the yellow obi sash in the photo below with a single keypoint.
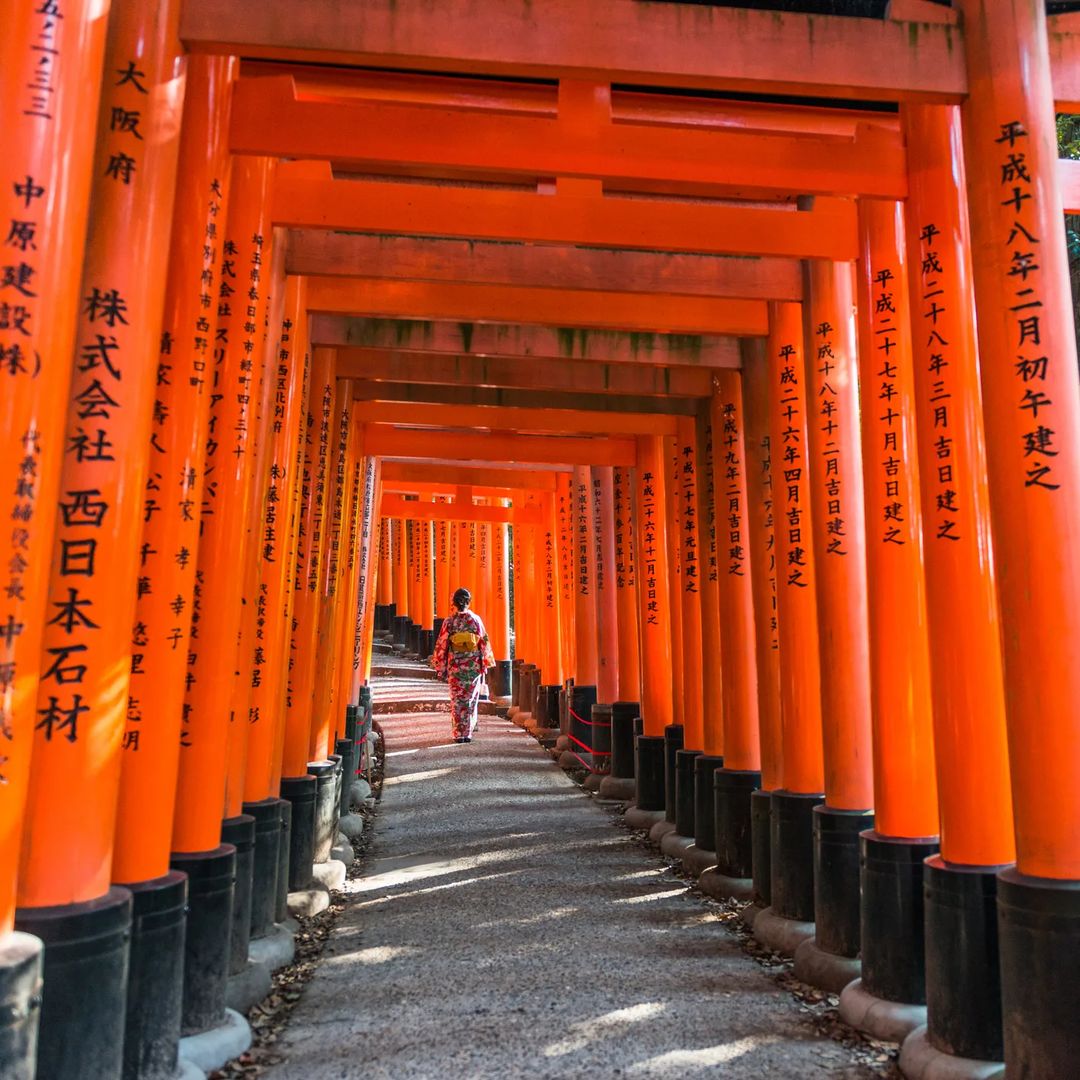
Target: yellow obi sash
[{"x": 464, "y": 641}]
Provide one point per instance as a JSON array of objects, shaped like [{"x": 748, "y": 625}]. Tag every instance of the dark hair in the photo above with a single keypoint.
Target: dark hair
[{"x": 461, "y": 599}]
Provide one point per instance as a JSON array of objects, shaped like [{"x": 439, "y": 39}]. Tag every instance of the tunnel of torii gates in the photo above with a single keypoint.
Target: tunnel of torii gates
[{"x": 654, "y": 325}]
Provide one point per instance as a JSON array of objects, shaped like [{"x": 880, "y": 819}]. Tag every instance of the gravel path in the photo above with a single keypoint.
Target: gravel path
[{"x": 505, "y": 926}]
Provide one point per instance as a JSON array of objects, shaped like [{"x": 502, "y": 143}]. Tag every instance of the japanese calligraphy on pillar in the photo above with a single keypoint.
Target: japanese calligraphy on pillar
[
  {"x": 651, "y": 571},
  {"x": 797, "y": 570},
  {"x": 686, "y": 486},
  {"x": 598, "y": 532},
  {"x": 625, "y": 577},
  {"x": 829, "y": 423},
  {"x": 582, "y": 511},
  {"x": 734, "y": 486},
  {"x": 1032, "y": 362},
  {"x": 566, "y": 548},
  {"x": 366, "y": 519}
]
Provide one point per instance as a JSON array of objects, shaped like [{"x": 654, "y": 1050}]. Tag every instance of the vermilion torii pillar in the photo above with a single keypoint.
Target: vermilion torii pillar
[
  {"x": 761, "y": 491},
  {"x": 82, "y": 699},
  {"x": 44, "y": 190},
  {"x": 905, "y": 801},
  {"x": 607, "y": 628},
  {"x": 386, "y": 577},
  {"x": 792, "y": 883},
  {"x": 655, "y": 617},
  {"x": 962, "y": 977},
  {"x": 564, "y": 511},
  {"x": 835, "y": 464},
  {"x": 1031, "y": 402},
  {"x": 498, "y": 616}
]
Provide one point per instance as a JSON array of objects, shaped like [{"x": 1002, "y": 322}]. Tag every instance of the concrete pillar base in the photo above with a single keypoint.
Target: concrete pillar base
[
  {"x": 248, "y": 986},
  {"x": 568, "y": 759},
  {"x": 696, "y": 860},
  {"x": 721, "y": 887},
  {"x": 512, "y": 712},
  {"x": 920, "y": 1060},
  {"x": 275, "y": 950},
  {"x": 825, "y": 970},
  {"x": 20, "y": 1002},
  {"x": 780, "y": 934},
  {"x": 562, "y": 743},
  {"x": 592, "y": 782},
  {"x": 211, "y": 1049},
  {"x": 642, "y": 819},
  {"x": 892, "y": 1021},
  {"x": 303, "y": 903},
  {"x": 674, "y": 845},
  {"x": 329, "y": 874},
  {"x": 618, "y": 788},
  {"x": 661, "y": 829},
  {"x": 352, "y": 825},
  {"x": 342, "y": 851},
  {"x": 359, "y": 791},
  {"x": 188, "y": 1070},
  {"x": 749, "y": 915}
]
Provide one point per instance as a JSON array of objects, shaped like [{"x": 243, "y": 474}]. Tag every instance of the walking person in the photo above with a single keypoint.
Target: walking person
[{"x": 462, "y": 655}]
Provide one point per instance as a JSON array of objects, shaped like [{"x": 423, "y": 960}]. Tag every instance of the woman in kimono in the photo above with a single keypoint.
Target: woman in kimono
[{"x": 462, "y": 655}]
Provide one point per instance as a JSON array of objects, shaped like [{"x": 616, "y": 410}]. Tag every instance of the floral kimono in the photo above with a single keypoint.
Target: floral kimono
[{"x": 463, "y": 653}]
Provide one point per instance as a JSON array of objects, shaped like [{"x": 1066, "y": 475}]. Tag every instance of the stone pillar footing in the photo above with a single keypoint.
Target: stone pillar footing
[
  {"x": 20, "y": 998},
  {"x": 780, "y": 934},
  {"x": 617, "y": 788},
  {"x": 636, "y": 818},
  {"x": 921, "y": 1060},
  {"x": 211, "y": 1049},
  {"x": 891, "y": 1021},
  {"x": 722, "y": 887},
  {"x": 661, "y": 829},
  {"x": 674, "y": 845},
  {"x": 696, "y": 860},
  {"x": 825, "y": 970}
]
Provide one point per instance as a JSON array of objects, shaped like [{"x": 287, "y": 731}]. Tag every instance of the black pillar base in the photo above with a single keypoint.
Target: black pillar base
[
  {"x": 564, "y": 706},
  {"x": 579, "y": 710},
  {"x": 155, "y": 988},
  {"x": 649, "y": 772},
  {"x": 211, "y": 882},
  {"x": 673, "y": 742},
  {"x": 732, "y": 829},
  {"x": 267, "y": 852},
  {"x": 685, "y": 791},
  {"x": 513, "y": 691},
  {"x": 300, "y": 793},
  {"x": 836, "y": 878},
  {"x": 281, "y": 897},
  {"x": 892, "y": 939},
  {"x": 345, "y": 749},
  {"x": 547, "y": 706},
  {"x": 792, "y": 849},
  {"x": 325, "y": 806},
  {"x": 504, "y": 678},
  {"x": 240, "y": 832},
  {"x": 20, "y": 1004},
  {"x": 601, "y": 739},
  {"x": 705, "y": 766},
  {"x": 400, "y": 628},
  {"x": 85, "y": 970},
  {"x": 384, "y": 614},
  {"x": 1039, "y": 935},
  {"x": 623, "y": 714},
  {"x": 963, "y": 981},
  {"x": 427, "y": 644},
  {"x": 761, "y": 842}
]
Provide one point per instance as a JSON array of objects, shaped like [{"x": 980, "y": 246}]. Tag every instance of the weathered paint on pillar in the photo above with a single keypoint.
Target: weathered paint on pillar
[
  {"x": 564, "y": 510},
  {"x": 835, "y": 463},
  {"x": 227, "y": 496},
  {"x": 905, "y": 802},
  {"x": 654, "y": 592},
  {"x": 732, "y": 466},
  {"x": 316, "y": 428},
  {"x": 1031, "y": 401},
  {"x": 686, "y": 482},
  {"x": 607, "y": 607},
  {"x": 290, "y": 372},
  {"x": 585, "y": 651},
  {"x": 796, "y": 584},
  {"x": 713, "y": 666},
  {"x": 626, "y": 586},
  {"x": 961, "y": 598},
  {"x": 86, "y": 663},
  {"x": 168, "y": 554},
  {"x": 761, "y": 526}
]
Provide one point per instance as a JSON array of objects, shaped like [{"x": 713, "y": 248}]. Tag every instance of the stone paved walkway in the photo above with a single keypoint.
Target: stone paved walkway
[{"x": 506, "y": 927}]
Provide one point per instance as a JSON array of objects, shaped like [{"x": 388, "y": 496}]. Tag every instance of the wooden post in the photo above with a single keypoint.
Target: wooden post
[
  {"x": 564, "y": 509},
  {"x": 603, "y": 507},
  {"x": 626, "y": 587},
  {"x": 585, "y": 673}
]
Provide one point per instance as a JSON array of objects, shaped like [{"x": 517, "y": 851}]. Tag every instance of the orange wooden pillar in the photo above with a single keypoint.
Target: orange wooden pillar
[
  {"x": 905, "y": 802},
  {"x": 352, "y": 625},
  {"x": 483, "y": 567},
  {"x": 385, "y": 609},
  {"x": 399, "y": 543},
  {"x": 564, "y": 510},
  {"x": 585, "y": 630},
  {"x": 427, "y": 572},
  {"x": 971, "y": 751},
  {"x": 299, "y": 785},
  {"x": 532, "y": 609},
  {"x": 764, "y": 573},
  {"x": 733, "y": 468},
  {"x": 607, "y": 610},
  {"x": 45, "y": 189},
  {"x": 672, "y": 525},
  {"x": 550, "y": 616},
  {"x": 835, "y": 463},
  {"x": 366, "y": 586},
  {"x": 792, "y": 849},
  {"x": 626, "y": 589},
  {"x": 654, "y": 621},
  {"x": 82, "y": 697},
  {"x": 1031, "y": 403},
  {"x": 498, "y": 620}
]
